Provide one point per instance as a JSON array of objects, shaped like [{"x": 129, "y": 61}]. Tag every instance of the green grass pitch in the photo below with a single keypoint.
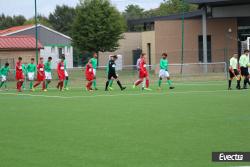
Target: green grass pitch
[{"x": 168, "y": 128}]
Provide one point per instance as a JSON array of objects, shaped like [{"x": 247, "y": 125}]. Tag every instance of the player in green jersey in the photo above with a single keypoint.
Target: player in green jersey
[
  {"x": 31, "y": 69},
  {"x": 66, "y": 81},
  {"x": 24, "y": 67},
  {"x": 48, "y": 71},
  {"x": 4, "y": 71},
  {"x": 164, "y": 65},
  {"x": 94, "y": 63}
]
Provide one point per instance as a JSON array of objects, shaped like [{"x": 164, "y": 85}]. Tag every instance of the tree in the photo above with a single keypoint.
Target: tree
[
  {"x": 98, "y": 26},
  {"x": 19, "y": 20},
  {"x": 62, "y": 19},
  {"x": 171, "y": 7},
  {"x": 40, "y": 20},
  {"x": 8, "y": 21},
  {"x": 133, "y": 12}
]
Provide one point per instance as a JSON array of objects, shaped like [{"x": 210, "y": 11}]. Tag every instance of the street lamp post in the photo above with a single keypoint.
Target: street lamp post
[
  {"x": 227, "y": 38},
  {"x": 182, "y": 37},
  {"x": 36, "y": 32}
]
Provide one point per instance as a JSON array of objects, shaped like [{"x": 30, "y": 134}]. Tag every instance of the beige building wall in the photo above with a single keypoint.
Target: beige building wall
[
  {"x": 13, "y": 55},
  {"x": 148, "y": 38},
  {"x": 131, "y": 41},
  {"x": 169, "y": 39}
]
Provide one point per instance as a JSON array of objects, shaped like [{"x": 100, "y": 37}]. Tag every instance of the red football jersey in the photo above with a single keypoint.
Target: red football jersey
[
  {"x": 19, "y": 71},
  {"x": 19, "y": 67},
  {"x": 40, "y": 72},
  {"x": 60, "y": 70},
  {"x": 89, "y": 70},
  {"x": 143, "y": 66}
]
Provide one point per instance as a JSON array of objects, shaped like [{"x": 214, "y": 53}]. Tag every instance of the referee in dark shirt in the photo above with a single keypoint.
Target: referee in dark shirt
[{"x": 112, "y": 73}]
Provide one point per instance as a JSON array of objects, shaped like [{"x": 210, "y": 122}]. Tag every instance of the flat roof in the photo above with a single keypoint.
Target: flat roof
[
  {"x": 219, "y": 2},
  {"x": 188, "y": 15}
]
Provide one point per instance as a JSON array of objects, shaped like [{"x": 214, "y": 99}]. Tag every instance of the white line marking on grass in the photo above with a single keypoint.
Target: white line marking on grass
[
  {"x": 118, "y": 95},
  {"x": 212, "y": 83}
]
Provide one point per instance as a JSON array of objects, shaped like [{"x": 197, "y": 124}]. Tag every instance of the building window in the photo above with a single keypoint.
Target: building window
[
  {"x": 53, "y": 50},
  {"x": 149, "y": 52},
  {"x": 68, "y": 49},
  {"x": 209, "y": 50}
]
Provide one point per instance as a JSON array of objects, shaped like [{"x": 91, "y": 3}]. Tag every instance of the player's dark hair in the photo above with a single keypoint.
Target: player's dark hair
[
  {"x": 41, "y": 58},
  {"x": 32, "y": 59},
  {"x": 63, "y": 57},
  {"x": 7, "y": 64},
  {"x": 20, "y": 58},
  {"x": 143, "y": 54},
  {"x": 50, "y": 58},
  {"x": 115, "y": 56},
  {"x": 246, "y": 51},
  {"x": 165, "y": 54}
]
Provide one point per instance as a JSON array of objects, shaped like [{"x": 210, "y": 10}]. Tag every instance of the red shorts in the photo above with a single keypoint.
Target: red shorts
[
  {"x": 143, "y": 75},
  {"x": 89, "y": 77},
  {"x": 40, "y": 78},
  {"x": 61, "y": 77},
  {"x": 19, "y": 76}
]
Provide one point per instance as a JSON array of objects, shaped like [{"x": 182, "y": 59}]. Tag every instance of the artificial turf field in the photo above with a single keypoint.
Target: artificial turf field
[{"x": 168, "y": 128}]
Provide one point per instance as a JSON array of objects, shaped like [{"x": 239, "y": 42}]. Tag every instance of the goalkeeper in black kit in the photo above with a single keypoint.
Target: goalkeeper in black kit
[{"x": 112, "y": 73}]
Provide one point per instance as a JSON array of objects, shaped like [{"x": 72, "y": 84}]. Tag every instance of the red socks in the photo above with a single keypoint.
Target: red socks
[
  {"x": 19, "y": 85},
  {"x": 44, "y": 86},
  {"x": 138, "y": 82},
  {"x": 88, "y": 86},
  {"x": 36, "y": 84},
  {"x": 147, "y": 83}
]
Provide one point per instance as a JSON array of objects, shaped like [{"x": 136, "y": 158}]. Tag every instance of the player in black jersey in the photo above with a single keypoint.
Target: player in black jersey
[{"x": 112, "y": 75}]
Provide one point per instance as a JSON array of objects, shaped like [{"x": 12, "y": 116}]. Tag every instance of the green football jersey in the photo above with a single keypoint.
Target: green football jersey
[
  {"x": 164, "y": 64},
  {"x": 65, "y": 65},
  {"x": 24, "y": 68},
  {"x": 94, "y": 63},
  {"x": 47, "y": 66},
  {"x": 31, "y": 68},
  {"x": 4, "y": 70}
]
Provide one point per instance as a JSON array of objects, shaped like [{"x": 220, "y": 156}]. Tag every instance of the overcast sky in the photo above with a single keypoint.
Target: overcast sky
[{"x": 26, "y": 7}]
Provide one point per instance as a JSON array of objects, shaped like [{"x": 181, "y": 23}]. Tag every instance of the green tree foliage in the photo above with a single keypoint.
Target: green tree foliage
[
  {"x": 98, "y": 26},
  {"x": 40, "y": 20},
  {"x": 8, "y": 21},
  {"x": 62, "y": 19},
  {"x": 171, "y": 7},
  {"x": 133, "y": 12},
  {"x": 166, "y": 8}
]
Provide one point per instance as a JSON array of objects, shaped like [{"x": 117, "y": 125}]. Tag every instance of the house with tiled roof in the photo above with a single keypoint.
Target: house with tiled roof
[
  {"x": 55, "y": 44},
  {"x": 12, "y": 47}
]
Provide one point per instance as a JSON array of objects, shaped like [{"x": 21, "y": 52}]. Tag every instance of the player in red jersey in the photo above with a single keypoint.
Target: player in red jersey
[
  {"x": 143, "y": 74},
  {"x": 61, "y": 74},
  {"x": 40, "y": 75},
  {"x": 89, "y": 74},
  {"x": 19, "y": 74}
]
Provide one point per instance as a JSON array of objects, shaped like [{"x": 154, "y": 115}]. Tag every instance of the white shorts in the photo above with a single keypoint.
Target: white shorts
[
  {"x": 48, "y": 75},
  {"x": 163, "y": 74},
  {"x": 66, "y": 73},
  {"x": 94, "y": 71},
  {"x": 3, "y": 78},
  {"x": 31, "y": 76}
]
